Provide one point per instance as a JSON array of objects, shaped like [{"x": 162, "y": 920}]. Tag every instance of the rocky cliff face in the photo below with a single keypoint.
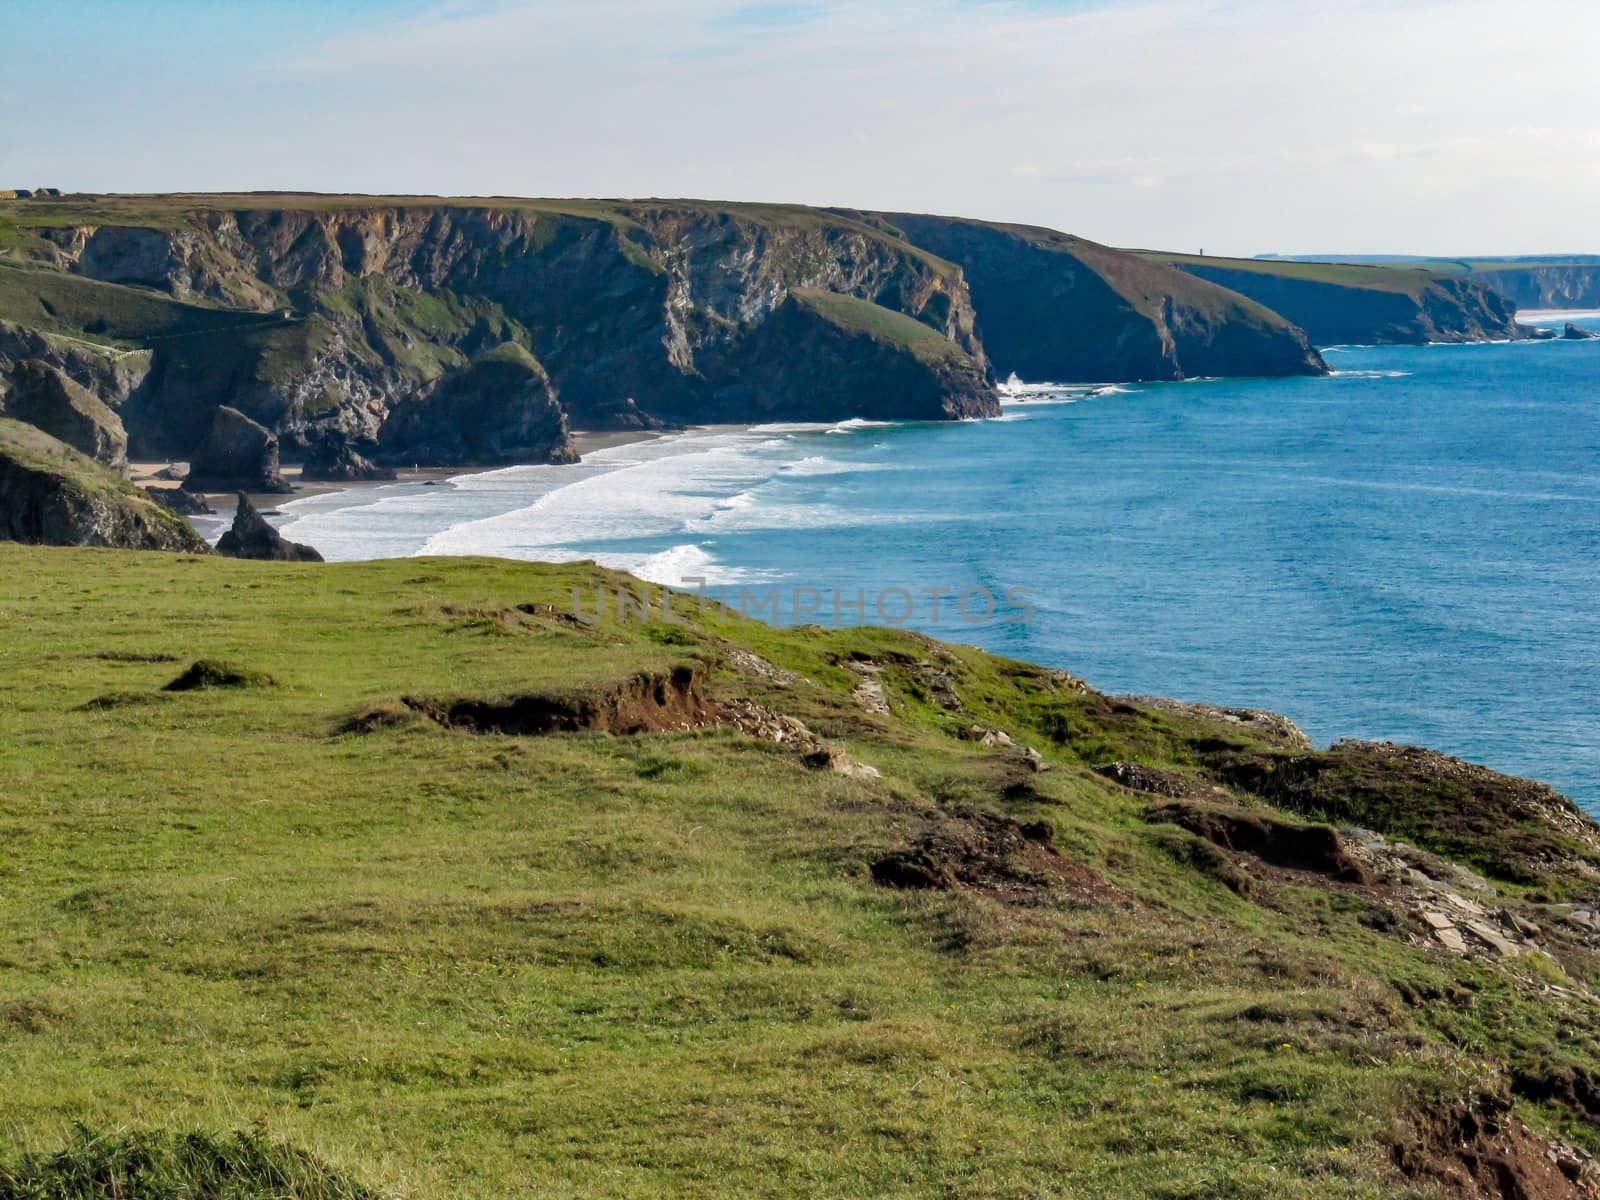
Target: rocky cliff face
[
  {"x": 1397, "y": 306},
  {"x": 1056, "y": 307},
  {"x": 1575, "y": 286},
  {"x": 50, "y": 494},
  {"x": 626, "y": 302}
]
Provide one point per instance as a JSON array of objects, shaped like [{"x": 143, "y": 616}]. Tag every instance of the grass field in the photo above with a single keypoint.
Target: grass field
[
  {"x": 20, "y": 220},
  {"x": 1406, "y": 279},
  {"x": 108, "y": 313},
  {"x": 350, "y": 948},
  {"x": 882, "y": 324}
]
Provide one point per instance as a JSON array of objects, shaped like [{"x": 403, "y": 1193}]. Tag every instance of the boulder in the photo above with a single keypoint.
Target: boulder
[
  {"x": 252, "y": 537},
  {"x": 43, "y": 396},
  {"x": 237, "y": 454},
  {"x": 180, "y": 501},
  {"x": 1577, "y": 333}
]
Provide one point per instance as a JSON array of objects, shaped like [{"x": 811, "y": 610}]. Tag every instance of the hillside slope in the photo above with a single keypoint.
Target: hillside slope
[
  {"x": 428, "y": 888},
  {"x": 1056, "y": 307},
  {"x": 1344, "y": 304},
  {"x": 50, "y": 494}
]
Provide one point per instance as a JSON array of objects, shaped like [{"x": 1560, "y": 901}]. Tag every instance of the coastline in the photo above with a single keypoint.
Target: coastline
[{"x": 146, "y": 474}]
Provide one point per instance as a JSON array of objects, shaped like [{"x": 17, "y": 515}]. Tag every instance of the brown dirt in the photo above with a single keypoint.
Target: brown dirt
[
  {"x": 1275, "y": 840},
  {"x": 992, "y": 854},
  {"x": 649, "y": 702},
  {"x": 1482, "y": 1152}
]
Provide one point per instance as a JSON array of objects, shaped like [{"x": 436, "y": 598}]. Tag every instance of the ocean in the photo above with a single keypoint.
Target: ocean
[{"x": 1407, "y": 550}]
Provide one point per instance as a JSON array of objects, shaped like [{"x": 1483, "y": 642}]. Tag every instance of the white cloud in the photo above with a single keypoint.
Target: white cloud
[{"x": 1447, "y": 126}]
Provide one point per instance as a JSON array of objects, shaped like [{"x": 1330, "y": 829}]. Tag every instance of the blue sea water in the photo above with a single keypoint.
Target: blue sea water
[{"x": 1409, "y": 549}]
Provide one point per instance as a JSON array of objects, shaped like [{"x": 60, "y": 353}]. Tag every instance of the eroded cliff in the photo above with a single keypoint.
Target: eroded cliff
[{"x": 1056, "y": 307}]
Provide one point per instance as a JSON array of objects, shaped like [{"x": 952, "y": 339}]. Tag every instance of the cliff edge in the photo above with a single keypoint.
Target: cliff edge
[{"x": 50, "y": 494}]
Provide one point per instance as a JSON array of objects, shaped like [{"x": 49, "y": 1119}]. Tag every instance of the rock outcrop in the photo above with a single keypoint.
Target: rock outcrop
[
  {"x": 252, "y": 537},
  {"x": 1059, "y": 308},
  {"x": 501, "y": 409},
  {"x": 180, "y": 501},
  {"x": 43, "y": 395},
  {"x": 51, "y": 494},
  {"x": 333, "y": 459},
  {"x": 1577, "y": 333},
  {"x": 1366, "y": 305},
  {"x": 238, "y": 454}
]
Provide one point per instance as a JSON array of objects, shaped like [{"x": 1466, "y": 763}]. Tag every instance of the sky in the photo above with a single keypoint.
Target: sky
[{"x": 1446, "y": 127}]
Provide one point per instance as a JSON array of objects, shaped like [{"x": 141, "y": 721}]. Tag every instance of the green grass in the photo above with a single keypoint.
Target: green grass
[
  {"x": 432, "y": 963},
  {"x": 109, "y": 313},
  {"x": 34, "y": 450},
  {"x": 1404, "y": 279},
  {"x": 177, "y": 210},
  {"x": 886, "y": 325}
]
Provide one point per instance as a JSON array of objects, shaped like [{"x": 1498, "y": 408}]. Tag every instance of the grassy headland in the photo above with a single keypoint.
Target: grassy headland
[{"x": 332, "y": 903}]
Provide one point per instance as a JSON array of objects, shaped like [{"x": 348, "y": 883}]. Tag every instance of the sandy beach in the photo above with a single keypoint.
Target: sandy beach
[{"x": 147, "y": 474}]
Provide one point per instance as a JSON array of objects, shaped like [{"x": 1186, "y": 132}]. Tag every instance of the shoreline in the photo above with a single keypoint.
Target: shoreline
[{"x": 145, "y": 474}]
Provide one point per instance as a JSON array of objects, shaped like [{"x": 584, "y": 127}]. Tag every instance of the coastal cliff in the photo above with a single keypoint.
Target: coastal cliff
[
  {"x": 1548, "y": 286},
  {"x": 338, "y": 314},
  {"x": 350, "y": 328},
  {"x": 1056, "y": 307},
  {"x": 1350, "y": 304}
]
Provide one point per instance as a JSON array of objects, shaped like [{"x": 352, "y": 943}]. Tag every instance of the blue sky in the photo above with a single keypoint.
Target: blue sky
[{"x": 1437, "y": 126}]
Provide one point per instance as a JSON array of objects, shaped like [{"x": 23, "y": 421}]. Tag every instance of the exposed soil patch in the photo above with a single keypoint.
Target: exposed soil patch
[
  {"x": 120, "y": 700},
  {"x": 549, "y": 612},
  {"x": 1570, "y": 1086},
  {"x": 989, "y": 853},
  {"x": 1274, "y": 839},
  {"x": 209, "y": 673},
  {"x": 1482, "y": 1152},
  {"x": 388, "y": 715},
  {"x": 650, "y": 702},
  {"x": 134, "y": 656}
]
